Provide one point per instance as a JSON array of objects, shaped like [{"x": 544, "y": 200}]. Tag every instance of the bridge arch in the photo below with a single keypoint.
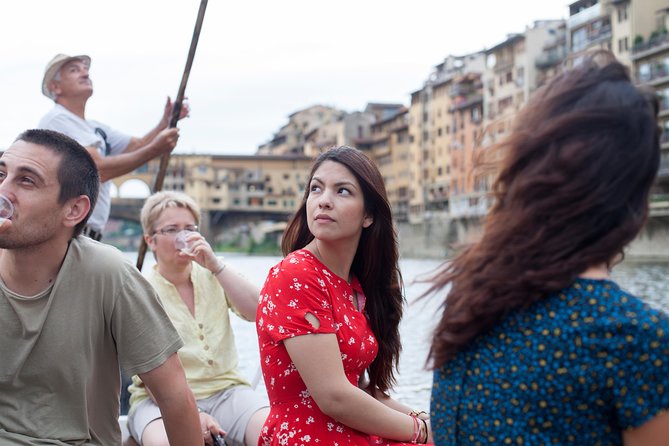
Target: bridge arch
[{"x": 133, "y": 188}]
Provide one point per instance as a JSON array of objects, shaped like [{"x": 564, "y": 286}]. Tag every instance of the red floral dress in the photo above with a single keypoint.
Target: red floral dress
[{"x": 298, "y": 285}]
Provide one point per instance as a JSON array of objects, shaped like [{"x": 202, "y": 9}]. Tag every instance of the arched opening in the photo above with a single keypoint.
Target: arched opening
[{"x": 134, "y": 189}]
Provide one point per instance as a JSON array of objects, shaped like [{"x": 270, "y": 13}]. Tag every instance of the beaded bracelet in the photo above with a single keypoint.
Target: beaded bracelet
[
  {"x": 418, "y": 413},
  {"x": 416, "y": 429}
]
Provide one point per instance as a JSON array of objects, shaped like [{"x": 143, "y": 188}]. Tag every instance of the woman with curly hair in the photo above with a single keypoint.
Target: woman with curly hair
[{"x": 536, "y": 344}]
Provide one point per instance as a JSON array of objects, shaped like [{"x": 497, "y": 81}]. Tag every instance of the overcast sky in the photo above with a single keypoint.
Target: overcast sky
[{"x": 257, "y": 60}]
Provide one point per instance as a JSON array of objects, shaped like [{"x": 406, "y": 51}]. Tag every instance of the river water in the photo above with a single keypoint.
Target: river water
[{"x": 649, "y": 281}]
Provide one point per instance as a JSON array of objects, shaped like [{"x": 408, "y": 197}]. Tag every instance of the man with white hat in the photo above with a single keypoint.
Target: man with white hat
[{"x": 66, "y": 81}]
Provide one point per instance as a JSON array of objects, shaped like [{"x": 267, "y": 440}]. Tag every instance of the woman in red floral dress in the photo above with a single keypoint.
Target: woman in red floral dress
[{"x": 328, "y": 318}]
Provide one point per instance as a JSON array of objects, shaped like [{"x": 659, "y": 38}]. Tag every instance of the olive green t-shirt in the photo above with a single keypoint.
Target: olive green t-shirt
[{"x": 60, "y": 350}]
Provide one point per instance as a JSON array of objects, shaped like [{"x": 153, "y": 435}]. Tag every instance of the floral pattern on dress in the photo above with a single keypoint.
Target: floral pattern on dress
[{"x": 298, "y": 285}]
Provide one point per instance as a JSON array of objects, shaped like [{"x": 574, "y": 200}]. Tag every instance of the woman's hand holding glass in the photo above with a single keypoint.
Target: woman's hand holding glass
[{"x": 192, "y": 244}]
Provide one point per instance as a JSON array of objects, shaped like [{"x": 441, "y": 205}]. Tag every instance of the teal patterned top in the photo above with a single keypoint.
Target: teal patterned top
[{"x": 580, "y": 367}]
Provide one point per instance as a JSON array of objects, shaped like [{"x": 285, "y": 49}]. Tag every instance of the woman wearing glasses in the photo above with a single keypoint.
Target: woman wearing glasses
[{"x": 197, "y": 289}]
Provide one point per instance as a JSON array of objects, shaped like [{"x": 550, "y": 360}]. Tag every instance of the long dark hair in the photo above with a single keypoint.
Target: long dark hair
[
  {"x": 375, "y": 262},
  {"x": 571, "y": 193}
]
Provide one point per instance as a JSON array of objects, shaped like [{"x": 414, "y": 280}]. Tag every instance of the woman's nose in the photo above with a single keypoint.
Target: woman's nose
[{"x": 325, "y": 201}]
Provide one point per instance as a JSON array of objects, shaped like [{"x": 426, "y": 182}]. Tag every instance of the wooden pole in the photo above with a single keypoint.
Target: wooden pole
[{"x": 176, "y": 111}]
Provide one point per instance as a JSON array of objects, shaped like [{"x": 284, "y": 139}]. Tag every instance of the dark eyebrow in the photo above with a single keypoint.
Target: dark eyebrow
[
  {"x": 338, "y": 183},
  {"x": 28, "y": 170}
]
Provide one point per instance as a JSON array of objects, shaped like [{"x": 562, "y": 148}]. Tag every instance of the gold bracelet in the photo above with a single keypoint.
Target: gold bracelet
[{"x": 220, "y": 269}]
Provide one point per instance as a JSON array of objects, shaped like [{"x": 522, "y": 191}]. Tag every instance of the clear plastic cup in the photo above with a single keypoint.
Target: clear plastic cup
[
  {"x": 182, "y": 244},
  {"x": 6, "y": 208}
]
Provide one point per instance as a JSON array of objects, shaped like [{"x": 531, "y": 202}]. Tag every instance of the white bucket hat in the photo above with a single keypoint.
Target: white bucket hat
[{"x": 54, "y": 66}]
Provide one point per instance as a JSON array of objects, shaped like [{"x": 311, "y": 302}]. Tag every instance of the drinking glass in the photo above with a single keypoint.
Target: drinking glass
[
  {"x": 6, "y": 208},
  {"x": 182, "y": 244}
]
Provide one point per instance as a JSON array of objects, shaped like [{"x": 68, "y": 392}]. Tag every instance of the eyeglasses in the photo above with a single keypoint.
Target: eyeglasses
[{"x": 171, "y": 231}]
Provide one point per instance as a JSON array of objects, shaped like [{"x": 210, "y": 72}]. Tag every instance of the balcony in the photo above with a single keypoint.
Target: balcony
[
  {"x": 663, "y": 172},
  {"x": 592, "y": 38},
  {"x": 585, "y": 16},
  {"x": 550, "y": 58},
  {"x": 659, "y": 205},
  {"x": 474, "y": 204},
  {"x": 461, "y": 89},
  {"x": 654, "y": 45},
  {"x": 503, "y": 64},
  {"x": 664, "y": 105},
  {"x": 653, "y": 73},
  {"x": 462, "y": 102},
  {"x": 664, "y": 139}
]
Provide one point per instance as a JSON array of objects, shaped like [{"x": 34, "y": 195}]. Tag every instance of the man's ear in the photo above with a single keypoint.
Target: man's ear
[
  {"x": 54, "y": 87},
  {"x": 75, "y": 210}
]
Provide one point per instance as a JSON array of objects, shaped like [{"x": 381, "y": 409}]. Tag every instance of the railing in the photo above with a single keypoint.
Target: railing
[
  {"x": 463, "y": 89},
  {"x": 469, "y": 205},
  {"x": 659, "y": 205},
  {"x": 503, "y": 64},
  {"x": 463, "y": 102},
  {"x": 660, "y": 40},
  {"x": 584, "y": 16},
  {"x": 664, "y": 138},
  {"x": 664, "y": 103},
  {"x": 663, "y": 171},
  {"x": 657, "y": 71},
  {"x": 600, "y": 35},
  {"x": 549, "y": 59}
]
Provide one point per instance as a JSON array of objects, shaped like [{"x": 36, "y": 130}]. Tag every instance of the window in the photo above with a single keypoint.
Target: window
[
  {"x": 664, "y": 98},
  {"x": 622, "y": 13},
  {"x": 504, "y": 103},
  {"x": 476, "y": 115},
  {"x": 579, "y": 39},
  {"x": 644, "y": 72},
  {"x": 623, "y": 45},
  {"x": 520, "y": 76}
]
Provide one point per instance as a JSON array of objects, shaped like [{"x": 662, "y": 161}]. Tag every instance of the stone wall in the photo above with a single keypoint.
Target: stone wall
[
  {"x": 437, "y": 238},
  {"x": 653, "y": 242}
]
